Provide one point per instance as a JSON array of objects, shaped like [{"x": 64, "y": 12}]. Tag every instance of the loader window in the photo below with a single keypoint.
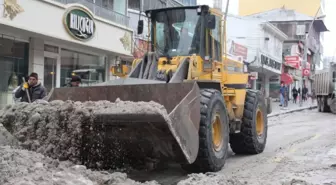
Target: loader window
[
  {"x": 176, "y": 32},
  {"x": 215, "y": 40}
]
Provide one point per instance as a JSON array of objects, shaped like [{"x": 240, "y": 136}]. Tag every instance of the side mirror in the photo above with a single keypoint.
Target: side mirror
[
  {"x": 140, "y": 26},
  {"x": 210, "y": 22}
]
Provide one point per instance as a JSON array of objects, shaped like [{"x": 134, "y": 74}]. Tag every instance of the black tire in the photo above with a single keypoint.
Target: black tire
[
  {"x": 247, "y": 141},
  {"x": 319, "y": 107},
  {"x": 209, "y": 159},
  {"x": 324, "y": 104},
  {"x": 333, "y": 106}
]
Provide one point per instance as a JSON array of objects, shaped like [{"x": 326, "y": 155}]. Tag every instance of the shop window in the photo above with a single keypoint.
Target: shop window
[
  {"x": 118, "y": 6},
  {"x": 108, "y": 4},
  {"x": 134, "y": 4},
  {"x": 13, "y": 66},
  {"x": 90, "y": 68},
  {"x": 50, "y": 48}
]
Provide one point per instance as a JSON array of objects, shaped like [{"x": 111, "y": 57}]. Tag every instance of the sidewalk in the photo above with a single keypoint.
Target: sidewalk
[{"x": 292, "y": 107}]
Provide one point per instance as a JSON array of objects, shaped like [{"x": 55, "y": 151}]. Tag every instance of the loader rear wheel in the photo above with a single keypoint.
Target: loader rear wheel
[
  {"x": 253, "y": 133},
  {"x": 333, "y": 105},
  {"x": 213, "y": 133},
  {"x": 324, "y": 104}
]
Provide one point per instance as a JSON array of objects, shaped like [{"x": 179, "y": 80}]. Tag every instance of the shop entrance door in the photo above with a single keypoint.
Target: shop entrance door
[{"x": 50, "y": 72}]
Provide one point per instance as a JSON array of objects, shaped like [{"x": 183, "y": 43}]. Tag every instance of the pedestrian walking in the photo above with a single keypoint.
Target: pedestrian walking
[
  {"x": 282, "y": 94},
  {"x": 295, "y": 94},
  {"x": 304, "y": 93},
  {"x": 313, "y": 96},
  {"x": 286, "y": 95}
]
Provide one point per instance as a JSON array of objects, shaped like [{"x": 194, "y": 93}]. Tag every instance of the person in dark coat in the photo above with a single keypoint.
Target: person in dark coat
[
  {"x": 35, "y": 89},
  {"x": 295, "y": 93},
  {"x": 74, "y": 82}
]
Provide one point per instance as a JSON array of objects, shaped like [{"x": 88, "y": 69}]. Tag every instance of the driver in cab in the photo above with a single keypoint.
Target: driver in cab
[
  {"x": 171, "y": 38},
  {"x": 185, "y": 41}
]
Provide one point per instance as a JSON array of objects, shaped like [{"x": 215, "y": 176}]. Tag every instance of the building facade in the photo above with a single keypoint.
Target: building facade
[
  {"x": 302, "y": 7},
  {"x": 249, "y": 7},
  {"x": 141, "y": 42},
  {"x": 60, "y": 41},
  {"x": 296, "y": 26},
  {"x": 264, "y": 43}
]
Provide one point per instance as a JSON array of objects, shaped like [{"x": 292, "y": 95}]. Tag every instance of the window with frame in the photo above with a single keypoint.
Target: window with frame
[
  {"x": 134, "y": 4},
  {"x": 108, "y": 4}
]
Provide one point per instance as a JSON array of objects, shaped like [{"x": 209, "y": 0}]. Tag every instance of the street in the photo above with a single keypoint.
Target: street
[{"x": 300, "y": 145}]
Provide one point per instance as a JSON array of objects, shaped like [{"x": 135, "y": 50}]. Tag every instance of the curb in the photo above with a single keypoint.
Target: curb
[{"x": 291, "y": 111}]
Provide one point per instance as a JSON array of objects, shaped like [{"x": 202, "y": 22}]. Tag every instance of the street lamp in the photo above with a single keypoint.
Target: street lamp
[{"x": 304, "y": 61}]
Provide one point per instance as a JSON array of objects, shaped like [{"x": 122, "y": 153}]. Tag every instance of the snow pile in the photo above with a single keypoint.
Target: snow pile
[
  {"x": 22, "y": 167},
  {"x": 6, "y": 138},
  {"x": 209, "y": 179},
  {"x": 56, "y": 129}
]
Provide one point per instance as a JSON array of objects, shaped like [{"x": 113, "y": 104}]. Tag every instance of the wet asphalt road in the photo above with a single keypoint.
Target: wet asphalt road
[{"x": 300, "y": 145}]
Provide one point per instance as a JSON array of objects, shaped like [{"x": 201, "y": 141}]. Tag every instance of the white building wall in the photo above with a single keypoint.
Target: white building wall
[
  {"x": 36, "y": 57},
  {"x": 245, "y": 33},
  {"x": 134, "y": 18},
  {"x": 251, "y": 33}
]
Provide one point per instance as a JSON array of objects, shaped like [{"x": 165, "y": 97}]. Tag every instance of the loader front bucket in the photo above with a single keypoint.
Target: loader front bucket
[{"x": 119, "y": 136}]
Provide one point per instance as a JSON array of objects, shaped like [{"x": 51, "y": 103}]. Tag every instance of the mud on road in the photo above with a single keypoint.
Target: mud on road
[{"x": 300, "y": 150}]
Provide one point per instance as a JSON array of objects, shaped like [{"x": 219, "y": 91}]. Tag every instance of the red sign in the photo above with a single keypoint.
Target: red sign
[
  {"x": 306, "y": 72},
  {"x": 293, "y": 61},
  {"x": 238, "y": 50}
]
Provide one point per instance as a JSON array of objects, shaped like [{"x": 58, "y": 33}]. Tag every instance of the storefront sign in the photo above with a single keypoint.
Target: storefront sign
[
  {"x": 270, "y": 62},
  {"x": 306, "y": 71},
  {"x": 126, "y": 41},
  {"x": 238, "y": 50},
  {"x": 293, "y": 61},
  {"x": 79, "y": 23},
  {"x": 11, "y": 9}
]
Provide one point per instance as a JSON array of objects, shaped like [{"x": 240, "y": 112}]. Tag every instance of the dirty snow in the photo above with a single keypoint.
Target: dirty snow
[
  {"x": 53, "y": 158},
  {"x": 55, "y": 129},
  {"x": 22, "y": 167},
  {"x": 209, "y": 179}
]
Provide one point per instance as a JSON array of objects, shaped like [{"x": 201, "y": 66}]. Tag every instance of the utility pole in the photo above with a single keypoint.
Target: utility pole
[{"x": 304, "y": 61}]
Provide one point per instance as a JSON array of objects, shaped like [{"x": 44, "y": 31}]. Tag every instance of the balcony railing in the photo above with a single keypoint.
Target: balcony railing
[{"x": 101, "y": 11}]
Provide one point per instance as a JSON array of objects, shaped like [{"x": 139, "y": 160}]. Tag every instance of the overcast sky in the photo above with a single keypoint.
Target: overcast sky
[{"x": 330, "y": 21}]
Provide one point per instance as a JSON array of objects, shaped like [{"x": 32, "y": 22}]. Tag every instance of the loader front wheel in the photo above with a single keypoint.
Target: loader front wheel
[
  {"x": 253, "y": 132},
  {"x": 213, "y": 133}
]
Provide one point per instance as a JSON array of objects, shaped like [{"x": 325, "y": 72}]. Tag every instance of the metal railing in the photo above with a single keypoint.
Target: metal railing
[{"x": 100, "y": 11}]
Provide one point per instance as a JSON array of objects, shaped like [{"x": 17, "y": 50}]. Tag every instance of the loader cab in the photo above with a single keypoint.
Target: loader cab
[{"x": 183, "y": 31}]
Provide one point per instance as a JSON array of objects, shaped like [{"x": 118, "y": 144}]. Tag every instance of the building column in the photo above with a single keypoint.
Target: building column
[
  {"x": 254, "y": 85},
  {"x": 266, "y": 81},
  {"x": 36, "y": 57}
]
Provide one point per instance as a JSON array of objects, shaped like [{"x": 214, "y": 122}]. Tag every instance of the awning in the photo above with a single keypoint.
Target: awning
[
  {"x": 320, "y": 26},
  {"x": 286, "y": 78}
]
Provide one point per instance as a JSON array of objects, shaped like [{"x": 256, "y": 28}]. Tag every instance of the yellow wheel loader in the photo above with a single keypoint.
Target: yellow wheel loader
[
  {"x": 204, "y": 93},
  {"x": 122, "y": 70}
]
